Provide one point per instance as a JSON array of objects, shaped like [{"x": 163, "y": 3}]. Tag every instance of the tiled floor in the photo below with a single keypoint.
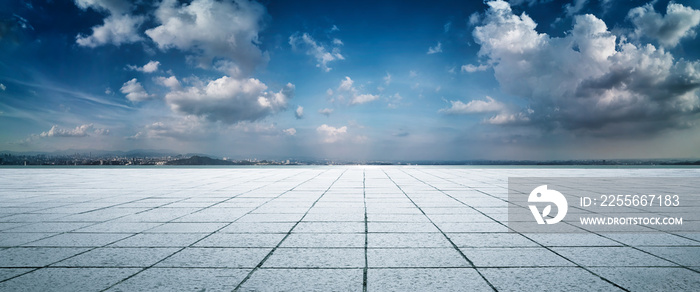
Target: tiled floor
[{"x": 350, "y": 228}]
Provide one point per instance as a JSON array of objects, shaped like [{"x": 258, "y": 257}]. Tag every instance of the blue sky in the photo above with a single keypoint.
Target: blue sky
[{"x": 359, "y": 80}]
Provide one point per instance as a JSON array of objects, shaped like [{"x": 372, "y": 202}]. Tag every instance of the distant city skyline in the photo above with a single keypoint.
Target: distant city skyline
[{"x": 360, "y": 80}]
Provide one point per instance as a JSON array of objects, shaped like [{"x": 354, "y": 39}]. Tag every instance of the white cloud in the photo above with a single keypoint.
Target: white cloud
[
  {"x": 299, "y": 113},
  {"x": 474, "y": 106},
  {"x": 101, "y": 132},
  {"x": 394, "y": 101},
  {"x": 586, "y": 80},
  {"x": 412, "y": 73},
  {"x": 436, "y": 49},
  {"x": 512, "y": 34},
  {"x": 575, "y": 8},
  {"x": 326, "y": 111},
  {"x": 170, "y": 82},
  {"x": 329, "y": 92},
  {"x": 346, "y": 87},
  {"x": 120, "y": 26},
  {"x": 2, "y": 87},
  {"x": 346, "y": 84},
  {"x": 679, "y": 22},
  {"x": 213, "y": 30},
  {"x": 186, "y": 128},
  {"x": 290, "y": 131},
  {"x": 79, "y": 131},
  {"x": 322, "y": 54},
  {"x": 230, "y": 100},
  {"x": 331, "y": 134},
  {"x": 113, "y": 6},
  {"x": 150, "y": 67},
  {"x": 474, "y": 18},
  {"x": 471, "y": 68},
  {"x": 363, "y": 98},
  {"x": 134, "y": 91},
  {"x": 506, "y": 118},
  {"x": 387, "y": 78}
]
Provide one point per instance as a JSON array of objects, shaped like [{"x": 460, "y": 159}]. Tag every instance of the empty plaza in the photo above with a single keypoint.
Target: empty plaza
[{"x": 314, "y": 228}]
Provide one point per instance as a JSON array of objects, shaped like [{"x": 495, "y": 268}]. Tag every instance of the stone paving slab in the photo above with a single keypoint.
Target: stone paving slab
[
  {"x": 159, "y": 240},
  {"x": 183, "y": 279},
  {"x": 320, "y": 280},
  {"x": 443, "y": 279},
  {"x": 79, "y": 240},
  {"x": 548, "y": 279},
  {"x": 36, "y": 256},
  {"x": 216, "y": 258},
  {"x": 316, "y": 258},
  {"x": 340, "y": 228},
  {"x": 118, "y": 257},
  {"x": 67, "y": 279}
]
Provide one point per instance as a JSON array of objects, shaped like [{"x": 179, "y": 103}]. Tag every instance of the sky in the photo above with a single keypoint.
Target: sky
[{"x": 353, "y": 80}]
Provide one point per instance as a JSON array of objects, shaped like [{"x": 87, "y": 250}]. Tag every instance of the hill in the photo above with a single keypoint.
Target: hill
[{"x": 200, "y": 160}]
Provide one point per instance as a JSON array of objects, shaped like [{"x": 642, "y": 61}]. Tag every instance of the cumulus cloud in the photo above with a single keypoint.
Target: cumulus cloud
[
  {"x": 387, "y": 79},
  {"x": 471, "y": 68},
  {"x": 321, "y": 53},
  {"x": 290, "y": 131},
  {"x": 347, "y": 89},
  {"x": 436, "y": 49},
  {"x": 134, "y": 91},
  {"x": 331, "y": 134},
  {"x": 346, "y": 84},
  {"x": 226, "y": 31},
  {"x": 679, "y": 22},
  {"x": 326, "y": 111},
  {"x": 299, "y": 113},
  {"x": 2, "y": 87},
  {"x": 475, "y": 106},
  {"x": 363, "y": 98},
  {"x": 230, "y": 100},
  {"x": 119, "y": 27},
  {"x": 587, "y": 80},
  {"x": 150, "y": 67},
  {"x": 170, "y": 82},
  {"x": 79, "y": 131},
  {"x": 502, "y": 114}
]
